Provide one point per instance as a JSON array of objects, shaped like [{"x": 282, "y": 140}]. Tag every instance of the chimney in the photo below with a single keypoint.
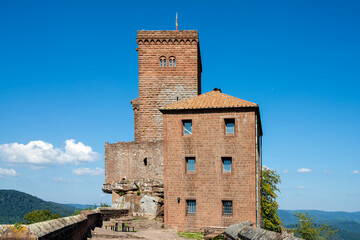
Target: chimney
[{"x": 217, "y": 89}]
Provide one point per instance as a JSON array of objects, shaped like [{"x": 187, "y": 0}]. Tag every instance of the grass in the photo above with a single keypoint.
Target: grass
[{"x": 191, "y": 235}]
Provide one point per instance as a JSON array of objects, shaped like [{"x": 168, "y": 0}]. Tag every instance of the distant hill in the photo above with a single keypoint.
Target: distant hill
[
  {"x": 81, "y": 206},
  {"x": 14, "y": 205},
  {"x": 347, "y": 222}
]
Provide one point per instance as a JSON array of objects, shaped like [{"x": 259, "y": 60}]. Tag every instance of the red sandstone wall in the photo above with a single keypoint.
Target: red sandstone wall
[
  {"x": 158, "y": 85},
  {"x": 209, "y": 185},
  {"x": 126, "y": 159}
]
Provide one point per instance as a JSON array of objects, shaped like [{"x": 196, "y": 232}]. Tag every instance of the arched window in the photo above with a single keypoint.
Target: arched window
[
  {"x": 162, "y": 61},
  {"x": 172, "y": 62}
]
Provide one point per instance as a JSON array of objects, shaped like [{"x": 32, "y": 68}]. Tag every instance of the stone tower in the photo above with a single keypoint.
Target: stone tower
[{"x": 169, "y": 71}]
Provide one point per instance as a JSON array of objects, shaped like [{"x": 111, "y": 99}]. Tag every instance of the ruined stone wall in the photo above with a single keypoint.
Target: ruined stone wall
[
  {"x": 134, "y": 176},
  {"x": 161, "y": 85},
  {"x": 209, "y": 185},
  {"x": 133, "y": 161}
]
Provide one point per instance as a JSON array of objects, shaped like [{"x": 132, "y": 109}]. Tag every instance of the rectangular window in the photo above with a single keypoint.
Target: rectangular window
[
  {"x": 230, "y": 126},
  {"x": 227, "y": 208},
  {"x": 190, "y": 162},
  {"x": 187, "y": 127},
  {"x": 227, "y": 161},
  {"x": 191, "y": 206}
]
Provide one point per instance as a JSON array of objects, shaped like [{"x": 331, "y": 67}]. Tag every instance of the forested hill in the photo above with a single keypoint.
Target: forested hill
[
  {"x": 347, "y": 222},
  {"x": 14, "y": 205}
]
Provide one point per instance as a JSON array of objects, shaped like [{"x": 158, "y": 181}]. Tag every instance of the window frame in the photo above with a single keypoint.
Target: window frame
[
  {"x": 224, "y": 214},
  {"x": 162, "y": 61},
  {"x": 184, "y": 129},
  {"x": 187, "y": 165},
  {"x": 223, "y": 159},
  {"x": 188, "y": 207},
  {"x": 172, "y": 61},
  {"x": 228, "y": 121}
]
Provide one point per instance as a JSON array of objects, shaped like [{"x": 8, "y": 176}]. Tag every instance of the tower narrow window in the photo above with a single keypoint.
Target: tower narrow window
[
  {"x": 172, "y": 62},
  {"x": 162, "y": 61}
]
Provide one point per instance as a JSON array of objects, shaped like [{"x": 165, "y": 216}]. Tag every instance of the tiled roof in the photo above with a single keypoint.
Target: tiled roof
[{"x": 213, "y": 99}]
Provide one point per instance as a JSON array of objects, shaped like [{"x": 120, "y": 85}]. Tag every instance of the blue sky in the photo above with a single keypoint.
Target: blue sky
[{"x": 68, "y": 70}]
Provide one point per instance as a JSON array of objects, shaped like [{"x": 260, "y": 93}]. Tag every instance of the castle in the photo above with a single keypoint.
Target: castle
[{"x": 196, "y": 158}]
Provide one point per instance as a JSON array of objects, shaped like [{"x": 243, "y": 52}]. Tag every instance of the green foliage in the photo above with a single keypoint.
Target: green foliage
[
  {"x": 91, "y": 208},
  {"x": 191, "y": 235},
  {"x": 307, "y": 230},
  {"x": 14, "y": 205},
  {"x": 18, "y": 226},
  {"x": 40, "y": 216},
  {"x": 138, "y": 192},
  {"x": 196, "y": 235},
  {"x": 104, "y": 205},
  {"x": 269, "y": 206},
  {"x": 76, "y": 212}
]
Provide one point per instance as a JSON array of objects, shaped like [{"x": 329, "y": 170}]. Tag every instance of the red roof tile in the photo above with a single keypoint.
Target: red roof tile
[{"x": 213, "y": 99}]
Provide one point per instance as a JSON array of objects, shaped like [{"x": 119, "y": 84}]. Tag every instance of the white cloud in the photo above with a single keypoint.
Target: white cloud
[
  {"x": 355, "y": 172},
  {"x": 88, "y": 171},
  {"x": 304, "y": 170},
  {"x": 301, "y": 187},
  {"x": 60, "y": 179},
  {"x": 39, "y": 153},
  {"x": 285, "y": 171},
  {"x": 327, "y": 171},
  {"x": 7, "y": 172}
]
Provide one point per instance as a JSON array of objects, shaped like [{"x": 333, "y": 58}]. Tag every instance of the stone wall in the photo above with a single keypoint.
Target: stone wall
[
  {"x": 133, "y": 161},
  {"x": 161, "y": 85},
  {"x": 74, "y": 227},
  {"x": 134, "y": 176},
  {"x": 245, "y": 231},
  {"x": 209, "y": 185}
]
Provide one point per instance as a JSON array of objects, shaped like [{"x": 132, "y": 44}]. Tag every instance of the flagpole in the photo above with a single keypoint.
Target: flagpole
[{"x": 176, "y": 23}]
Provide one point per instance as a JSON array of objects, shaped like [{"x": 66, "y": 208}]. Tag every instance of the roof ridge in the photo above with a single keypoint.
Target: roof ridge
[{"x": 208, "y": 100}]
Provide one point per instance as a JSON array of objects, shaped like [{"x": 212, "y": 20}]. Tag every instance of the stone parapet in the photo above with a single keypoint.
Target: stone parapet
[{"x": 74, "y": 227}]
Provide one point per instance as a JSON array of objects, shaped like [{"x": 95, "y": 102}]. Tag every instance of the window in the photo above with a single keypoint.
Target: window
[
  {"x": 190, "y": 164},
  {"x": 172, "y": 62},
  {"x": 230, "y": 126},
  {"x": 227, "y": 164},
  {"x": 191, "y": 207},
  {"x": 227, "y": 208},
  {"x": 162, "y": 61},
  {"x": 187, "y": 127}
]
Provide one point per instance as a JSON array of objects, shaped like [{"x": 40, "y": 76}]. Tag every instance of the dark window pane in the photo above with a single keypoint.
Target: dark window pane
[{"x": 227, "y": 207}]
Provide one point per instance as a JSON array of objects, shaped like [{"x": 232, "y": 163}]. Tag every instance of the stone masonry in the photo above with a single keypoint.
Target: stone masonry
[
  {"x": 208, "y": 185},
  {"x": 134, "y": 170}
]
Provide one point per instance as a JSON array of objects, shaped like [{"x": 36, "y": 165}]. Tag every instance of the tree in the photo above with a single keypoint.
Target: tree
[
  {"x": 269, "y": 206},
  {"x": 307, "y": 230},
  {"x": 39, "y": 216}
]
